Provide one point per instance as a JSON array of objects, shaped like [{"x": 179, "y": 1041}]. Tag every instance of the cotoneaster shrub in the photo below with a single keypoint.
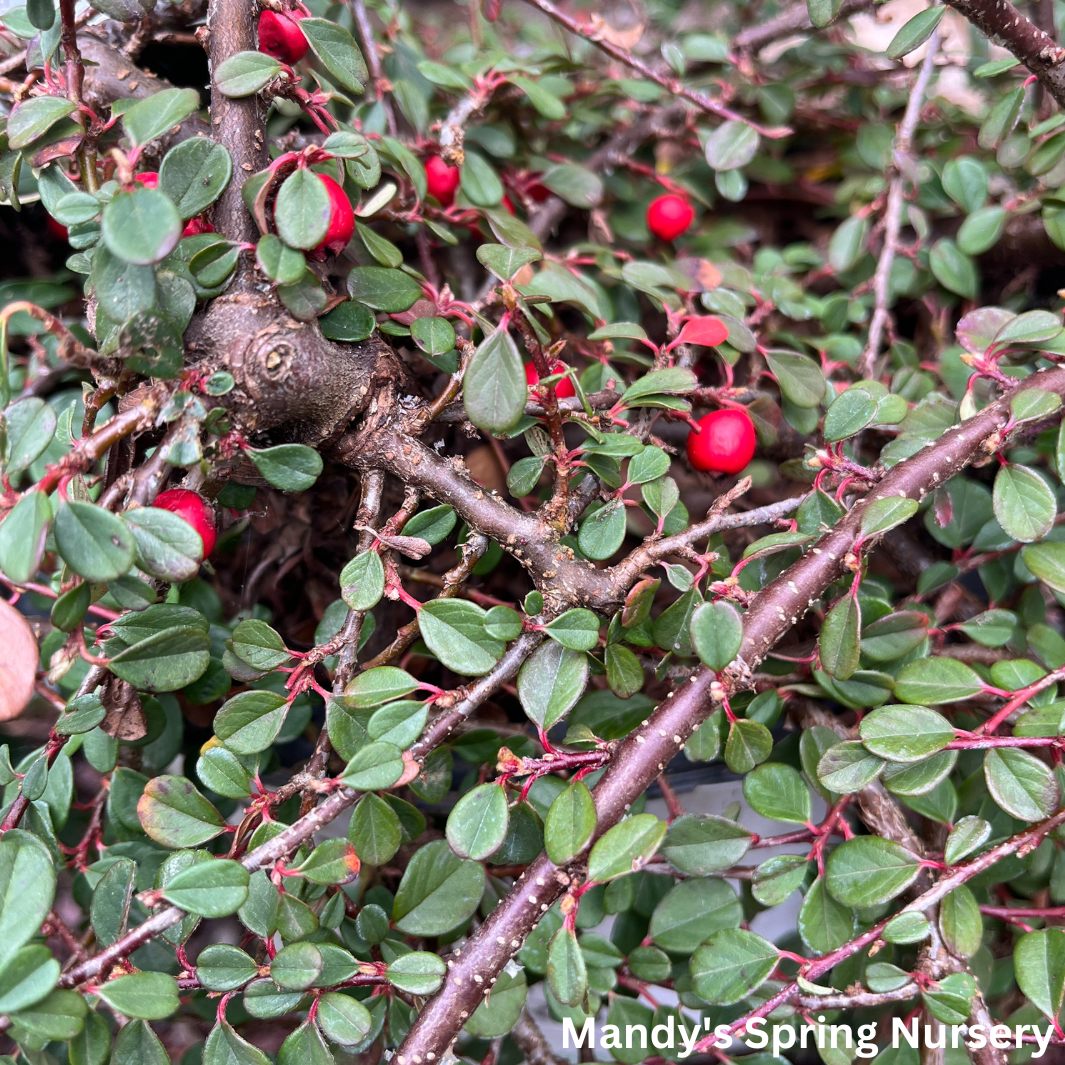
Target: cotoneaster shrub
[{"x": 362, "y": 578}]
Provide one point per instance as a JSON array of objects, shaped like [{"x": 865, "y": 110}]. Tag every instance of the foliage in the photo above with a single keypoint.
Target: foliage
[{"x": 469, "y": 601}]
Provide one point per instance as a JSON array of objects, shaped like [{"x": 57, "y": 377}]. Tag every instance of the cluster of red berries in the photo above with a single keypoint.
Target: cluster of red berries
[{"x": 194, "y": 509}]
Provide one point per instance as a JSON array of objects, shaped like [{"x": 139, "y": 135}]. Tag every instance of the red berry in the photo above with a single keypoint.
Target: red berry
[
  {"x": 281, "y": 37},
  {"x": 192, "y": 508},
  {"x": 442, "y": 180},
  {"x": 149, "y": 179},
  {"x": 341, "y": 219},
  {"x": 669, "y": 216},
  {"x": 725, "y": 442},
  {"x": 57, "y": 229},
  {"x": 195, "y": 226},
  {"x": 563, "y": 389}
]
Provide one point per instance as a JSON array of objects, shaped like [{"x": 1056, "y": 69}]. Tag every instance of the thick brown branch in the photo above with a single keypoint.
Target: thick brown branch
[
  {"x": 239, "y": 125},
  {"x": 1038, "y": 51}
]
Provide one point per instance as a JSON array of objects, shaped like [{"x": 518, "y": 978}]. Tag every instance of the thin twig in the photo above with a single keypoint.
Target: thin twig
[
  {"x": 672, "y": 85},
  {"x": 893, "y": 213}
]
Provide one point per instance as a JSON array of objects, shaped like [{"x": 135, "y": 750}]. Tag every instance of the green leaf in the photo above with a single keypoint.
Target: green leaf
[
  {"x": 953, "y": 269},
  {"x": 290, "y": 467},
  {"x": 378, "y": 765},
  {"x": 567, "y": 973},
  {"x": 824, "y": 923},
  {"x": 693, "y": 910},
  {"x": 981, "y": 230},
  {"x": 929, "y": 681},
  {"x": 550, "y": 682},
  {"x": 845, "y": 249},
  {"x": 296, "y": 966},
  {"x": 749, "y": 744},
  {"x": 147, "y": 996},
  {"x": 716, "y": 634},
  {"x": 109, "y": 914},
  {"x": 92, "y": 1045},
  {"x": 799, "y": 377},
  {"x": 477, "y": 826},
  {"x": 1024, "y": 504},
  {"x": 96, "y": 544},
  {"x": 907, "y": 927},
  {"x": 1039, "y": 964},
  {"x": 674, "y": 379},
  {"x": 960, "y": 922},
  {"x": 141, "y": 226},
  {"x": 730, "y": 965},
  {"x": 34, "y": 117},
  {"x": 23, "y": 534},
  {"x": 362, "y": 581},
  {"x": 305, "y": 1046},
  {"x": 168, "y": 547},
  {"x": 625, "y": 848},
  {"x": 60, "y": 1016},
  {"x": 967, "y": 836},
  {"x": 374, "y": 830},
  {"x": 505, "y": 262},
  {"x": 27, "y": 429},
  {"x": 868, "y": 871},
  {"x": 435, "y": 336},
  {"x": 336, "y": 50},
  {"x": 345, "y": 1020},
  {"x": 383, "y": 289},
  {"x": 349, "y": 321},
  {"x": 603, "y": 531},
  {"x": 377, "y": 686},
  {"x": 575, "y": 185},
  {"x": 880, "y": 515},
  {"x": 215, "y": 888},
  {"x": 494, "y": 388},
  {"x": 165, "y": 661},
  {"x": 27, "y": 890},
  {"x": 222, "y": 967},
  {"x": 287, "y": 266},
  {"x": 195, "y": 172},
  {"x": 915, "y": 33},
  {"x": 701, "y": 844},
  {"x": 156, "y": 114},
  {"x": 176, "y": 815},
  {"x": 454, "y": 631},
  {"x": 570, "y": 823},
  {"x": 499, "y": 1012},
  {"x": 905, "y": 733},
  {"x": 778, "y": 792},
  {"x": 1021, "y": 784},
  {"x": 1046, "y": 561},
  {"x": 302, "y": 210},
  {"x": 503, "y": 623},
  {"x": 245, "y": 73},
  {"x": 419, "y": 973},
  {"x": 225, "y": 1047},
  {"x": 848, "y": 767},
  {"x": 438, "y": 892},
  {"x": 839, "y": 642},
  {"x": 731, "y": 146},
  {"x": 576, "y": 630},
  {"x": 480, "y": 183},
  {"x": 257, "y": 644}
]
